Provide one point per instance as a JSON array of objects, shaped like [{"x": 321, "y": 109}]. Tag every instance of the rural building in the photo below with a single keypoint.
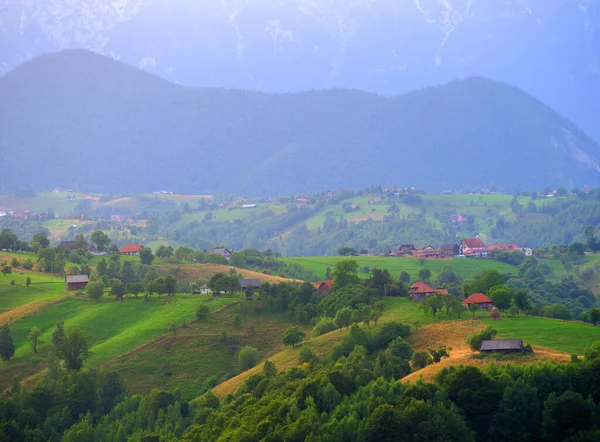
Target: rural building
[
  {"x": 6, "y": 211},
  {"x": 67, "y": 245},
  {"x": 449, "y": 249},
  {"x": 324, "y": 287},
  {"x": 527, "y": 251},
  {"x": 249, "y": 283},
  {"x": 330, "y": 193},
  {"x": 77, "y": 282},
  {"x": 204, "y": 290},
  {"x": 419, "y": 291},
  {"x": 479, "y": 299},
  {"x": 249, "y": 206},
  {"x": 503, "y": 345},
  {"x": 301, "y": 201},
  {"x": 219, "y": 251},
  {"x": 472, "y": 245},
  {"x": 131, "y": 249}
]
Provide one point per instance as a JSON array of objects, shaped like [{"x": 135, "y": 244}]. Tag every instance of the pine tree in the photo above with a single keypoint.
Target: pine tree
[{"x": 7, "y": 347}]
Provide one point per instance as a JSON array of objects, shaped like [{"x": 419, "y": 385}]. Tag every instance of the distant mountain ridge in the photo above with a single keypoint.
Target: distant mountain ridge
[
  {"x": 77, "y": 119},
  {"x": 550, "y": 48}
]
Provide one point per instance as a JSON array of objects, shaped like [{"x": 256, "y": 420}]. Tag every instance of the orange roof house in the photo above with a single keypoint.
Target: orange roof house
[
  {"x": 479, "y": 299},
  {"x": 131, "y": 249},
  {"x": 324, "y": 287},
  {"x": 419, "y": 291}
]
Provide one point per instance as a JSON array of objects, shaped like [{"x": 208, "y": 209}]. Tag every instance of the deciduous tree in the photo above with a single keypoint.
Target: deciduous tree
[
  {"x": 7, "y": 346},
  {"x": 74, "y": 349},
  {"x": 292, "y": 336},
  {"x": 34, "y": 338}
]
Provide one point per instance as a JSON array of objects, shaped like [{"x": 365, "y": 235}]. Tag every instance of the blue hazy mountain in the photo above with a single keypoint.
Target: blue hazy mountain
[{"x": 549, "y": 48}]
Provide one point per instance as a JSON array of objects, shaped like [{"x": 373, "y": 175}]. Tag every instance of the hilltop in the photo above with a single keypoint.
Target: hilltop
[{"x": 81, "y": 120}]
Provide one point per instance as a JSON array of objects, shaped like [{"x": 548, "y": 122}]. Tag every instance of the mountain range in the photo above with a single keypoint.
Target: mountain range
[
  {"x": 78, "y": 119},
  {"x": 550, "y": 48}
]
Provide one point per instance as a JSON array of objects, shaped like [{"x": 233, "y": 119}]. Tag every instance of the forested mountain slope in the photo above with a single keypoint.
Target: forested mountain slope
[{"x": 80, "y": 120}]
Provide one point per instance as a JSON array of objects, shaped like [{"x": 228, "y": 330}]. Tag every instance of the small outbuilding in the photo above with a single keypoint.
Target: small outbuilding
[
  {"x": 249, "y": 284},
  {"x": 503, "y": 345},
  {"x": 480, "y": 300},
  {"x": 77, "y": 282}
]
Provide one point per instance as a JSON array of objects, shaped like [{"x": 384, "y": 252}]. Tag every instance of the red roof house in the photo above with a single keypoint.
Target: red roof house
[
  {"x": 131, "y": 249},
  {"x": 472, "y": 245},
  {"x": 479, "y": 299},
  {"x": 324, "y": 287},
  {"x": 503, "y": 247},
  {"x": 419, "y": 291}
]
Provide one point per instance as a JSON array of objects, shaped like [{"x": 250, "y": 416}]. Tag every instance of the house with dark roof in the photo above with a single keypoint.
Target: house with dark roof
[
  {"x": 420, "y": 291},
  {"x": 449, "y": 249},
  {"x": 480, "y": 300},
  {"x": 131, "y": 249},
  {"x": 219, "y": 251},
  {"x": 472, "y": 245},
  {"x": 249, "y": 283},
  {"x": 503, "y": 345},
  {"x": 77, "y": 282}
]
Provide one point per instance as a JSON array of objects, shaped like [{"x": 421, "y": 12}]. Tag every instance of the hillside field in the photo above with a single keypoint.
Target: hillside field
[
  {"x": 463, "y": 266},
  {"x": 111, "y": 327}
]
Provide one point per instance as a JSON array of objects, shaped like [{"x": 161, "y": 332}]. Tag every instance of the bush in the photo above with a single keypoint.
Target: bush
[
  {"x": 389, "y": 332},
  {"x": 202, "y": 312},
  {"x": 420, "y": 359},
  {"x": 248, "y": 358},
  {"x": 477, "y": 338},
  {"x": 95, "y": 289},
  {"x": 306, "y": 355},
  {"x": 325, "y": 325}
]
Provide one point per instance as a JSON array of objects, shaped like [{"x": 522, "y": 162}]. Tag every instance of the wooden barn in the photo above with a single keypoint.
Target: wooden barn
[
  {"x": 77, "y": 282},
  {"x": 503, "y": 345}
]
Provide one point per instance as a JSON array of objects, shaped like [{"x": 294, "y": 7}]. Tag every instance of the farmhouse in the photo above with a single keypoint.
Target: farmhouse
[
  {"x": 480, "y": 300},
  {"x": 66, "y": 245},
  {"x": 131, "y": 249},
  {"x": 503, "y": 345},
  {"x": 301, "y": 201},
  {"x": 419, "y": 291},
  {"x": 472, "y": 245},
  {"x": 6, "y": 211},
  {"x": 324, "y": 287},
  {"x": 249, "y": 284},
  {"x": 77, "y": 282},
  {"x": 449, "y": 249},
  {"x": 219, "y": 251}
]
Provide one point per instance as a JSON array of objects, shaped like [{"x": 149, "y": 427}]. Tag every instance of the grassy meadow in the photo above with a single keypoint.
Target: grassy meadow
[
  {"x": 565, "y": 336},
  {"x": 463, "y": 266}
]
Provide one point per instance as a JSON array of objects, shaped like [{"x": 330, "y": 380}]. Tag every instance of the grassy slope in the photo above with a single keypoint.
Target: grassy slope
[
  {"x": 569, "y": 337},
  {"x": 112, "y": 328},
  {"x": 196, "y": 354},
  {"x": 574, "y": 337},
  {"x": 465, "y": 267},
  {"x": 43, "y": 288}
]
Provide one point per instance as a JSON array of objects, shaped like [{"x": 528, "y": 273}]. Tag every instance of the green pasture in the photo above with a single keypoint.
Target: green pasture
[
  {"x": 463, "y": 266},
  {"x": 111, "y": 327},
  {"x": 42, "y": 288},
  {"x": 565, "y": 336}
]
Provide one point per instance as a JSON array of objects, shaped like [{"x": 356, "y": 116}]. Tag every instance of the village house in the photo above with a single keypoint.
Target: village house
[
  {"x": 503, "y": 247},
  {"x": 419, "y": 291},
  {"x": 132, "y": 249},
  {"x": 249, "y": 206},
  {"x": 301, "y": 202},
  {"x": 77, "y": 282},
  {"x": 219, "y": 251},
  {"x": 330, "y": 193},
  {"x": 503, "y": 345},
  {"x": 94, "y": 251},
  {"x": 472, "y": 245},
  {"x": 324, "y": 287},
  {"x": 480, "y": 300},
  {"x": 449, "y": 250},
  {"x": 249, "y": 284},
  {"x": 6, "y": 211}
]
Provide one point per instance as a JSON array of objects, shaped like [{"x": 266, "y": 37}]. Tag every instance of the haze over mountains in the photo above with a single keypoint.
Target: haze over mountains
[
  {"x": 549, "y": 48},
  {"x": 77, "y": 119}
]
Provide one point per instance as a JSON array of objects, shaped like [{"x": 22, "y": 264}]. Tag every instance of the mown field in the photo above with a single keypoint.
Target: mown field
[
  {"x": 42, "y": 288},
  {"x": 111, "y": 327},
  {"x": 463, "y": 266},
  {"x": 565, "y": 336}
]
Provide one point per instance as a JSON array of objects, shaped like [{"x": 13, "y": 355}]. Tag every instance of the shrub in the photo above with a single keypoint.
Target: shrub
[
  {"x": 325, "y": 325},
  {"x": 248, "y": 358},
  {"x": 477, "y": 338},
  {"x": 306, "y": 355},
  {"x": 202, "y": 312},
  {"x": 420, "y": 359}
]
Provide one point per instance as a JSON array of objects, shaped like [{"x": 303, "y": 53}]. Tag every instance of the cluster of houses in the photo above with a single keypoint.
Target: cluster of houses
[{"x": 468, "y": 247}]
